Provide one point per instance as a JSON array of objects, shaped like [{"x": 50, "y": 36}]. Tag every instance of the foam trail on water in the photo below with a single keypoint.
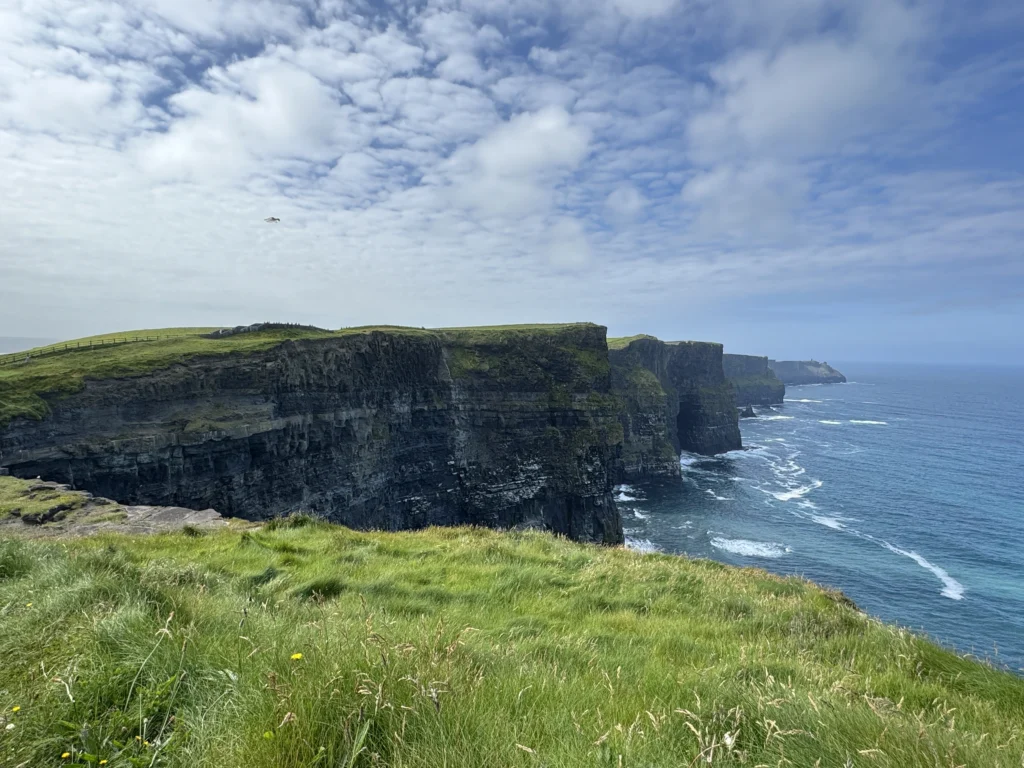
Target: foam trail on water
[
  {"x": 640, "y": 515},
  {"x": 830, "y": 422},
  {"x": 716, "y": 497},
  {"x": 798, "y": 493},
  {"x": 803, "y": 400},
  {"x": 623, "y": 496},
  {"x": 776, "y": 418},
  {"x": 828, "y": 522},
  {"x": 876, "y": 423},
  {"x": 747, "y": 548},
  {"x": 952, "y": 588}
]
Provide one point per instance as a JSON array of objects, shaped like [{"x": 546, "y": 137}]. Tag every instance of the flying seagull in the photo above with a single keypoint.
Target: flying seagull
[{"x": 272, "y": 219}]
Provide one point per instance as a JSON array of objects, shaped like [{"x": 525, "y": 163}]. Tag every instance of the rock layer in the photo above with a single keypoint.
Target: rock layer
[
  {"x": 675, "y": 398},
  {"x": 755, "y": 383},
  {"x": 796, "y": 372},
  {"x": 386, "y": 430}
]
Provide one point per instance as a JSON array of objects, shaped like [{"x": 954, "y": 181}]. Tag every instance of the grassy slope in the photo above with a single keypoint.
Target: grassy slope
[
  {"x": 18, "y": 499},
  {"x": 22, "y": 384},
  {"x": 621, "y": 342},
  {"x": 462, "y": 648}
]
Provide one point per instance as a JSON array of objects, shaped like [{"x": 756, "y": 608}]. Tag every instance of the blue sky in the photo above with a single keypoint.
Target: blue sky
[{"x": 797, "y": 178}]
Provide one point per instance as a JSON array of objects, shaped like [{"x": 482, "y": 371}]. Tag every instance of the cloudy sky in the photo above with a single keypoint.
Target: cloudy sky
[{"x": 832, "y": 178}]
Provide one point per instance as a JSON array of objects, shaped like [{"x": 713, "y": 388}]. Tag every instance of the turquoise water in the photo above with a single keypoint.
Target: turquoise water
[{"x": 903, "y": 488}]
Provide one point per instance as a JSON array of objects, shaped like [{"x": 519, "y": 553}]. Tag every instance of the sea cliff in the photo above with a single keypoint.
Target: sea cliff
[
  {"x": 796, "y": 372},
  {"x": 675, "y": 398},
  {"x": 755, "y": 383},
  {"x": 385, "y": 428}
]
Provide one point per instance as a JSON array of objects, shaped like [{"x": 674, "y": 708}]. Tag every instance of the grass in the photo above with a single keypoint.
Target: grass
[
  {"x": 312, "y": 645},
  {"x": 23, "y": 385},
  {"x": 621, "y": 342},
  {"x": 18, "y": 499}
]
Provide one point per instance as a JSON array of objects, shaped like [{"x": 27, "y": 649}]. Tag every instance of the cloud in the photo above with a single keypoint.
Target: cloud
[
  {"x": 515, "y": 167},
  {"x": 625, "y": 203},
  {"x": 457, "y": 162}
]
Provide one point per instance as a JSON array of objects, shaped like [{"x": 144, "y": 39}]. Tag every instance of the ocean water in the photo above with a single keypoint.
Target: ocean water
[{"x": 903, "y": 488}]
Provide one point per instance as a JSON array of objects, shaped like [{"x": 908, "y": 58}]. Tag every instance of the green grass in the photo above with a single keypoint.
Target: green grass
[
  {"x": 460, "y": 647},
  {"x": 17, "y": 499},
  {"x": 621, "y": 342},
  {"x": 24, "y": 384}
]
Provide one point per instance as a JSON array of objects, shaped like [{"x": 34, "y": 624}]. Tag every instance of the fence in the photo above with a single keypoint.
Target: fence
[{"x": 72, "y": 346}]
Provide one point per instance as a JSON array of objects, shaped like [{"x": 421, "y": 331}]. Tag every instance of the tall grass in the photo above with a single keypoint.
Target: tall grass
[{"x": 311, "y": 645}]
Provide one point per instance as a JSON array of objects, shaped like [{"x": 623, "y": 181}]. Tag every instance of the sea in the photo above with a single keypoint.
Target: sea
[{"x": 904, "y": 488}]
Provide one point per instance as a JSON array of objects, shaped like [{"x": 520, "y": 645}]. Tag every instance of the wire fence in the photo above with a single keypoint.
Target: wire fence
[{"x": 59, "y": 349}]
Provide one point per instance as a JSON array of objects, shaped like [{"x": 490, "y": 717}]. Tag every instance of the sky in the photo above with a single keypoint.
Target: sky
[{"x": 796, "y": 178}]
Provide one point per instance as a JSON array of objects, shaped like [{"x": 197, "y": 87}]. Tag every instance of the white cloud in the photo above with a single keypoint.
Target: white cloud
[
  {"x": 569, "y": 248},
  {"x": 625, "y": 203},
  {"x": 451, "y": 162}
]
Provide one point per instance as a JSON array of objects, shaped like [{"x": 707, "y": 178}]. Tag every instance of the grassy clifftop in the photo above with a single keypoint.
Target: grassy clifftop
[
  {"x": 311, "y": 645},
  {"x": 45, "y": 372}
]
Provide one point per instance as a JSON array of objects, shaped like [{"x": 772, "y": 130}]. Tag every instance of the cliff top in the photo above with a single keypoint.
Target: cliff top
[
  {"x": 63, "y": 368},
  {"x": 308, "y": 644}
]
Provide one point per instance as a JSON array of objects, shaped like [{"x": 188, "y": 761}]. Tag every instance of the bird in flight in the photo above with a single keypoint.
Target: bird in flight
[{"x": 272, "y": 219}]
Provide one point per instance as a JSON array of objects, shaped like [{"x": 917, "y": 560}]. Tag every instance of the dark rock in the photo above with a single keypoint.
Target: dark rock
[
  {"x": 753, "y": 380},
  {"x": 798, "y": 372},
  {"x": 675, "y": 398},
  {"x": 386, "y": 430},
  {"x": 748, "y": 413}
]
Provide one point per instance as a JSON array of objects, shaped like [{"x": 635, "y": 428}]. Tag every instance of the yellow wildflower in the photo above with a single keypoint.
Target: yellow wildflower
[
  {"x": 103, "y": 762},
  {"x": 15, "y": 709},
  {"x": 296, "y": 656},
  {"x": 65, "y": 756},
  {"x": 28, "y": 605},
  {"x": 145, "y": 743}
]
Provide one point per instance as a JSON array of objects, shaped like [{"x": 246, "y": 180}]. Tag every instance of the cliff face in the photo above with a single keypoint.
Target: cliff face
[
  {"x": 797, "y": 372},
  {"x": 381, "y": 430},
  {"x": 675, "y": 398},
  {"x": 755, "y": 383}
]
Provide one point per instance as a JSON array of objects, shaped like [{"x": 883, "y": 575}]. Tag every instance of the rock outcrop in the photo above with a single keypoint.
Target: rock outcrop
[
  {"x": 755, "y": 383},
  {"x": 384, "y": 429},
  {"x": 675, "y": 398},
  {"x": 796, "y": 372},
  {"x": 748, "y": 413}
]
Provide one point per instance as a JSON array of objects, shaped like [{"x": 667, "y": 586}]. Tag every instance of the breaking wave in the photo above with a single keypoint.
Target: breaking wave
[{"x": 747, "y": 548}]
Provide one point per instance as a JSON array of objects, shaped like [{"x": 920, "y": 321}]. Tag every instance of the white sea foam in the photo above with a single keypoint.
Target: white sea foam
[
  {"x": 689, "y": 459},
  {"x": 952, "y": 588},
  {"x": 798, "y": 493},
  {"x": 747, "y": 548},
  {"x": 828, "y": 522},
  {"x": 643, "y": 546},
  {"x": 716, "y": 497},
  {"x": 803, "y": 400},
  {"x": 830, "y": 422},
  {"x": 876, "y": 423},
  {"x": 640, "y": 515},
  {"x": 623, "y": 496}
]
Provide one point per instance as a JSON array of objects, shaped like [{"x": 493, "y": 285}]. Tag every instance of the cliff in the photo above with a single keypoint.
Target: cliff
[
  {"x": 797, "y": 372},
  {"x": 675, "y": 398},
  {"x": 371, "y": 428},
  {"x": 755, "y": 383}
]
